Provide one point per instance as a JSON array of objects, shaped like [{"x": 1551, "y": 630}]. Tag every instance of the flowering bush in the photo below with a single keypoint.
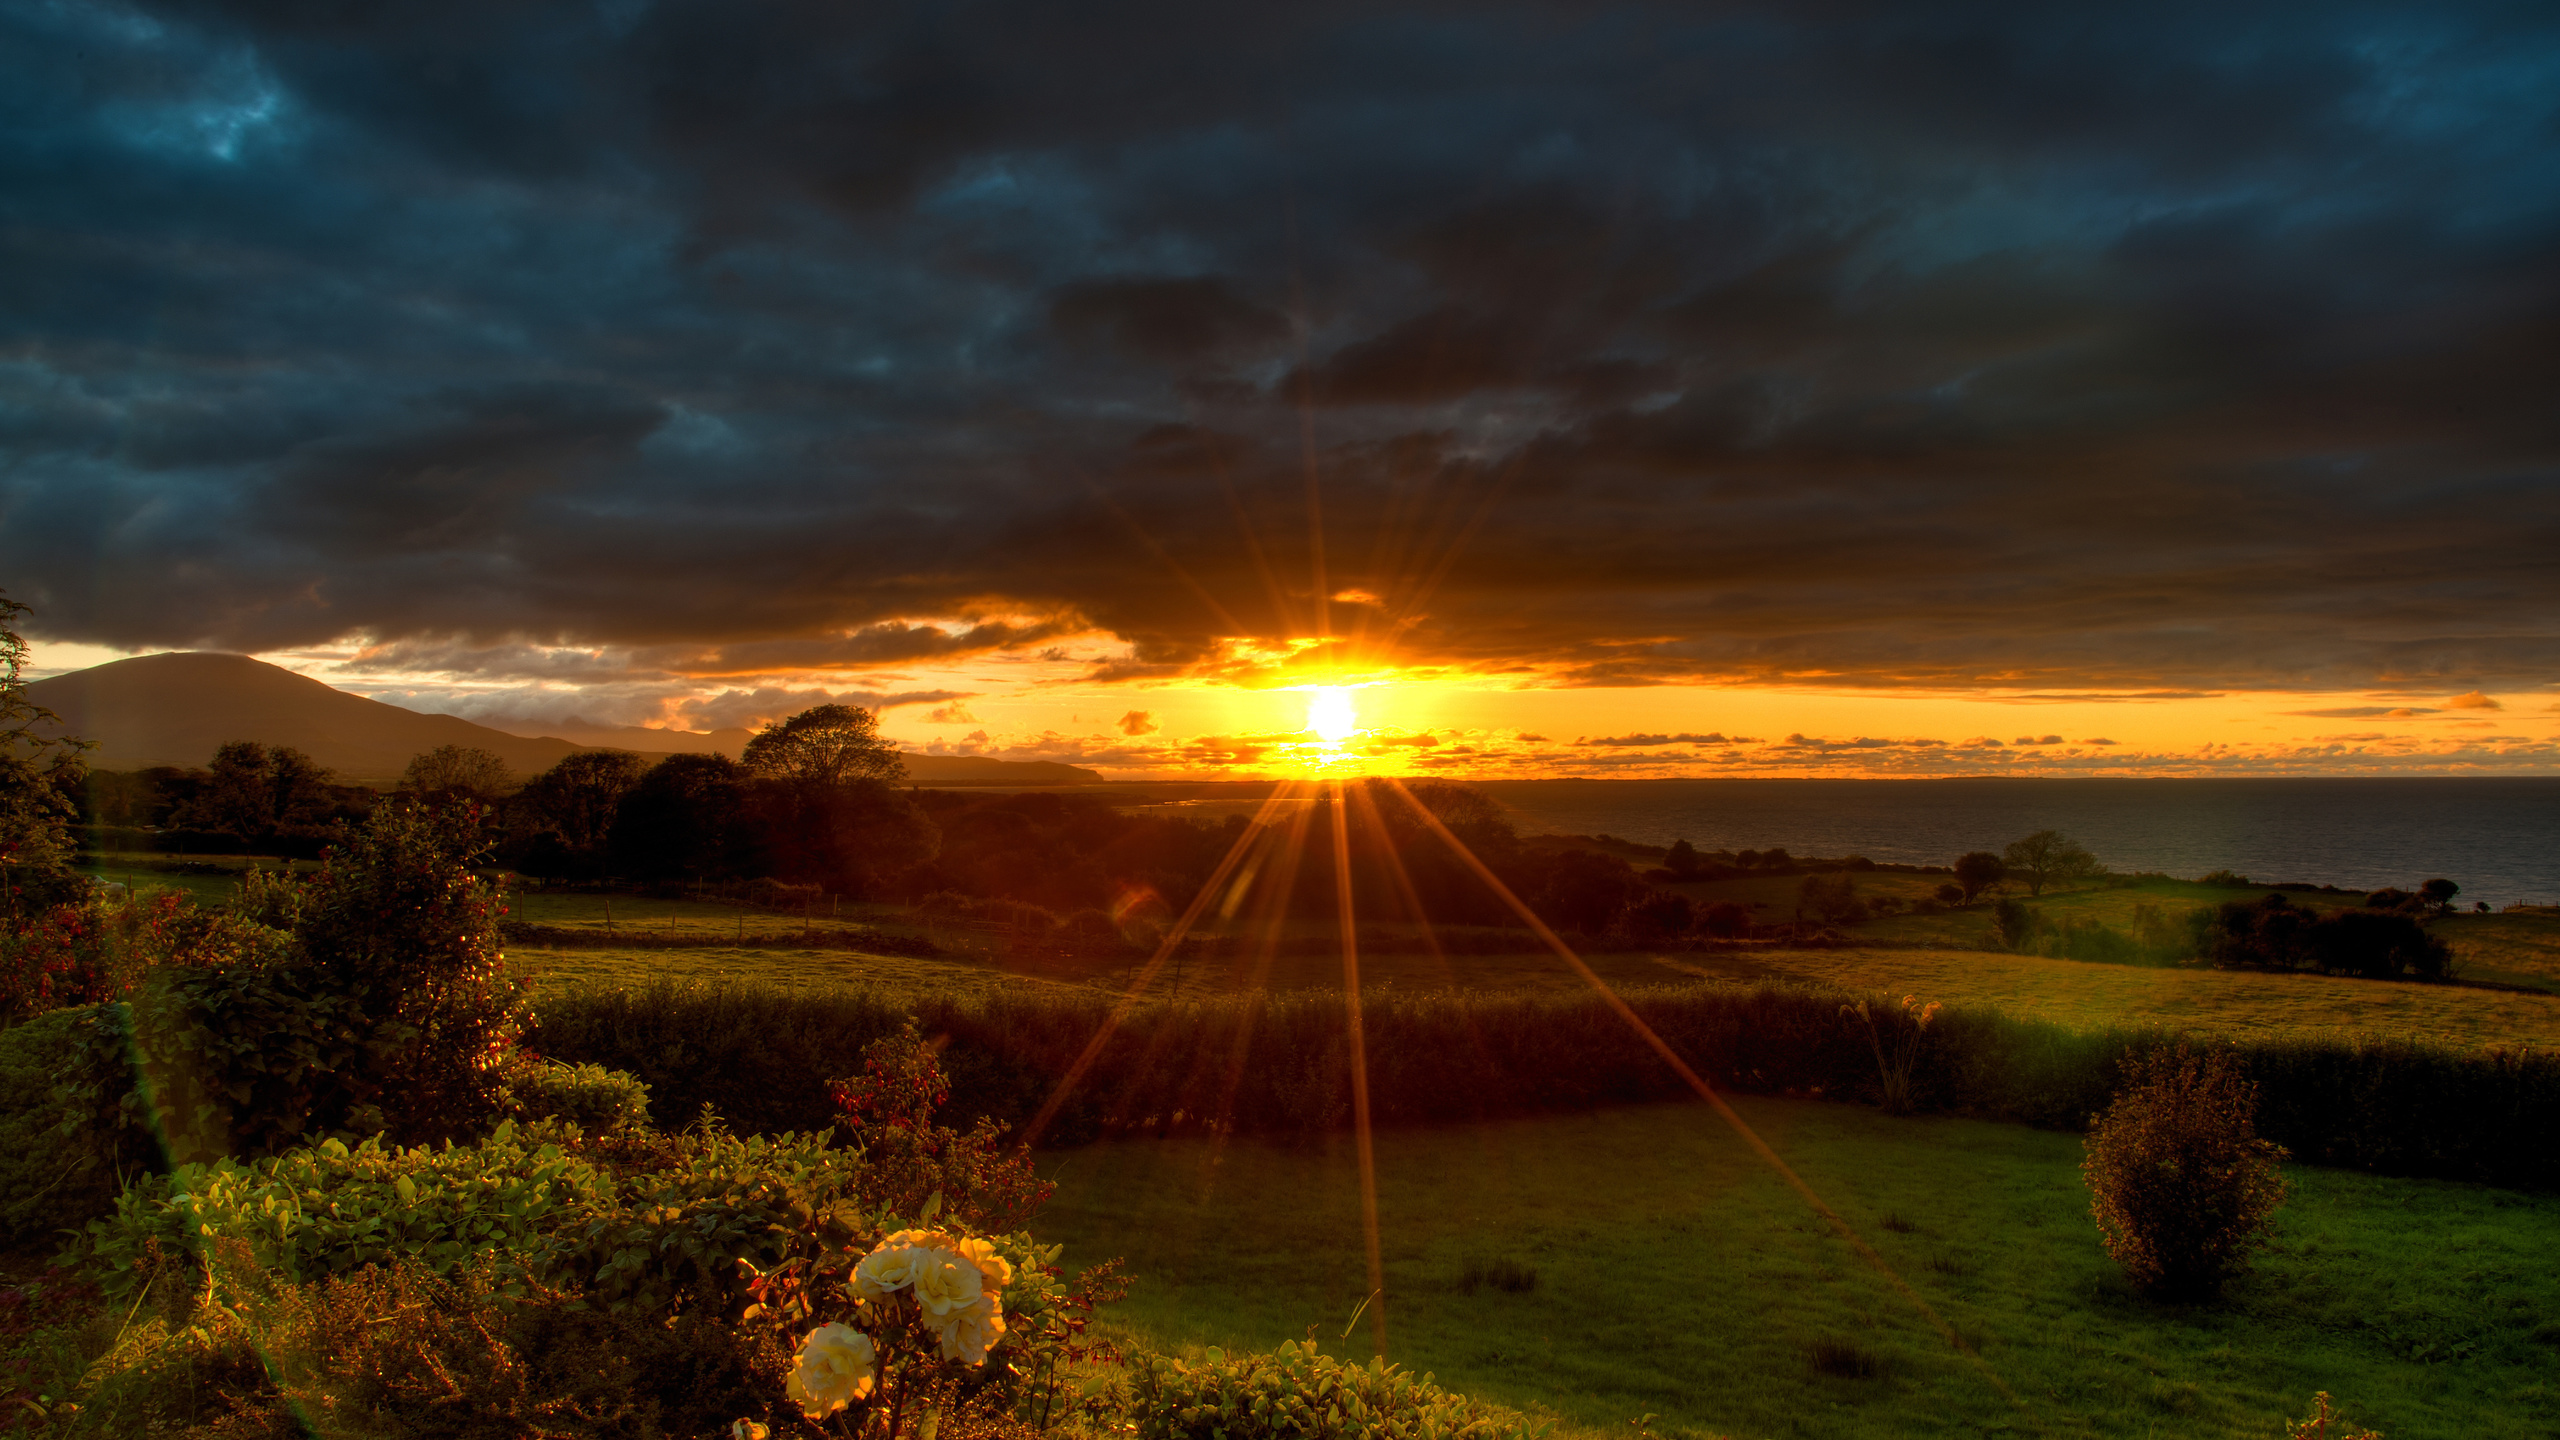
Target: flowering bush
[
  {"x": 96, "y": 949},
  {"x": 889, "y": 1111},
  {"x": 928, "y": 1322}
]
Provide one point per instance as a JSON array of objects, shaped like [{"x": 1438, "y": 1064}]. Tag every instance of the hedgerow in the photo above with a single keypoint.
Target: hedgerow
[{"x": 1279, "y": 1063}]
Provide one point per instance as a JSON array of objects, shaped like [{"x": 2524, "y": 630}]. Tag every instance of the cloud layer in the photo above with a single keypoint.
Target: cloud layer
[{"x": 1946, "y": 345}]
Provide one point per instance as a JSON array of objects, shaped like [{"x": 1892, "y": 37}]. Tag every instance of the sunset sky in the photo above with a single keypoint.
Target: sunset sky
[{"x": 1596, "y": 389}]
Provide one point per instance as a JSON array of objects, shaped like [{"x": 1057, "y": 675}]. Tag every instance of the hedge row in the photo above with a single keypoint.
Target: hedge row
[{"x": 763, "y": 1057}]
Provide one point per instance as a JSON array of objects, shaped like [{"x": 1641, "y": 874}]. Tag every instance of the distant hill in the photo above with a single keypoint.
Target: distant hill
[
  {"x": 922, "y": 769},
  {"x": 579, "y": 731},
  {"x": 177, "y": 708},
  {"x": 981, "y": 770}
]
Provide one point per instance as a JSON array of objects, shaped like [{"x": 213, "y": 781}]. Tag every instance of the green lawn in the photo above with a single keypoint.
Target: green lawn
[
  {"x": 1677, "y": 1277},
  {"x": 791, "y": 969}
]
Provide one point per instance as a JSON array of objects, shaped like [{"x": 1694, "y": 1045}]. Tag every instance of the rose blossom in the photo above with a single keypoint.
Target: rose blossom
[{"x": 835, "y": 1367}]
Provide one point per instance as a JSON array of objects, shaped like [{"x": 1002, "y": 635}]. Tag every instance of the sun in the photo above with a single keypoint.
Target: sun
[{"x": 1329, "y": 714}]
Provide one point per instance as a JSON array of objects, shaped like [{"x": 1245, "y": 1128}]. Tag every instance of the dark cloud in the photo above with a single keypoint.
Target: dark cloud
[{"x": 2193, "y": 348}]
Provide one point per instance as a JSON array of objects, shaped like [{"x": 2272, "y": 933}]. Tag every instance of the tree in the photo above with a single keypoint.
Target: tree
[
  {"x": 572, "y": 805},
  {"x": 1584, "y": 890},
  {"x": 1683, "y": 861},
  {"x": 2047, "y": 856},
  {"x": 41, "y": 780},
  {"x": 457, "y": 772},
  {"x": 254, "y": 792},
  {"x": 1977, "y": 871},
  {"x": 825, "y": 745},
  {"x": 681, "y": 821}
]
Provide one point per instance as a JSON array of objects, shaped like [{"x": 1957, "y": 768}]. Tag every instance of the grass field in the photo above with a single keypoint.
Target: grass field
[
  {"x": 790, "y": 969},
  {"x": 2075, "y": 993},
  {"x": 1677, "y": 1277}
]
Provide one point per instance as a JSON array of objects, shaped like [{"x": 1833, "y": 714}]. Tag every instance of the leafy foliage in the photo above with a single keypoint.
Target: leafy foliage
[
  {"x": 890, "y": 1108},
  {"x": 825, "y": 745},
  {"x": 98, "y": 948},
  {"x": 1279, "y": 1064},
  {"x": 2276, "y": 934},
  {"x": 41, "y": 779},
  {"x": 1299, "y": 1392},
  {"x": 2180, "y": 1184},
  {"x": 588, "y": 1096},
  {"x": 397, "y": 925}
]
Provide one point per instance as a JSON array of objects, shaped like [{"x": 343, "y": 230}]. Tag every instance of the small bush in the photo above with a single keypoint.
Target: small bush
[
  {"x": 1299, "y": 1393},
  {"x": 1503, "y": 1274},
  {"x": 2018, "y": 923},
  {"x": 587, "y": 1096},
  {"x": 50, "y": 1179},
  {"x": 1844, "y": 1359},
  {"x": 2180, "y": 1184},
  {"x": 1725, "y": 919},
  {"x": 2315, "y": 1426}
]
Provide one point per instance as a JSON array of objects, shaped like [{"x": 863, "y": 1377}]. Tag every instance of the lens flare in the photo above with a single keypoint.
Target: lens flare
[{"x": 1329, "y": 714}]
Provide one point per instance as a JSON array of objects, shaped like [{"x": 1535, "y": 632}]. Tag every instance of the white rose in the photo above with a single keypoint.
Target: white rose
[
  {"x": 926, "y": 1239},
  {"x": 994, "y": 1268},
  {"x": 835, "y": 1367},
  {"x": 887, "y": 1271},
  {"x": 945, "y": 1284},
  {"x": 968, "y": 1334}
]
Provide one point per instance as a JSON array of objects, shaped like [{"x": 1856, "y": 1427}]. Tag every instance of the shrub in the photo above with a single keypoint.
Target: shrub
[
  {"x": 1502, "y": 1273},
  {"x": 2315, "y": 1426},
  {"x": 1660, "y": 915},
  {"x": 96, "y": 948},
  {"x": 587, "y": 1096},
  {"x": 1831, "y": 897},
  {"x": 52, "y": 1178},
  {"x": 1302, "y": 1394},
  {"x": 2180, "y": 1184},
  {"x": 2018, "y": 923},
  {"x": 889, "y": 1110},
  {"x": 1725, "y": 919},
  {"x": 388, "y": 1011},
  {"x": 402, "y": 1350}
]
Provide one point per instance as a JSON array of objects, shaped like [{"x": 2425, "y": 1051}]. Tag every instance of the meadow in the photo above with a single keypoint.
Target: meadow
[
  {"x": 1676, "y": 1277},
  {"x": 1637, "y": 1263},
  {"x": 1974, "y": 972}
]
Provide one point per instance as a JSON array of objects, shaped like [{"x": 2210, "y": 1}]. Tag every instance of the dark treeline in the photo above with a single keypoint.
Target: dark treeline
[
  {"x": 274, "y": 800},
  {"x": 1280, "y": 1063}
]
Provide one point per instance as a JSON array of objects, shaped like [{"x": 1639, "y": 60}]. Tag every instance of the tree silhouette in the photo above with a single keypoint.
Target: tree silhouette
[
  {"x": 1977, "y": 871},
  {"x": 255, "y": 792},
  {"x": 2047, "y": 856},
  {"x": 457, "y": 772},
  {"x": 825, "y": 745},
  {"x": 570, "y": 808}
]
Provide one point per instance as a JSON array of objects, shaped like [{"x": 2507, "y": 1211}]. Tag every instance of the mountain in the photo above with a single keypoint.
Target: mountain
[
  {"x": 982, "y": 770},
  {"x": 178, "y": 708},
  {"x": 579, "y": 731}
]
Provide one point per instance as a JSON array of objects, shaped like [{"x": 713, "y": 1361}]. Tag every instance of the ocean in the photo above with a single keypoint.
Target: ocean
[{"x": 2499, "y": 838}]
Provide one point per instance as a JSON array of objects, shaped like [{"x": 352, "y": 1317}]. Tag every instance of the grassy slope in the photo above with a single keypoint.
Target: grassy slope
[
  {"x": 2216, "y": 1001},
  {"x": 1678, "y": 1277}
]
